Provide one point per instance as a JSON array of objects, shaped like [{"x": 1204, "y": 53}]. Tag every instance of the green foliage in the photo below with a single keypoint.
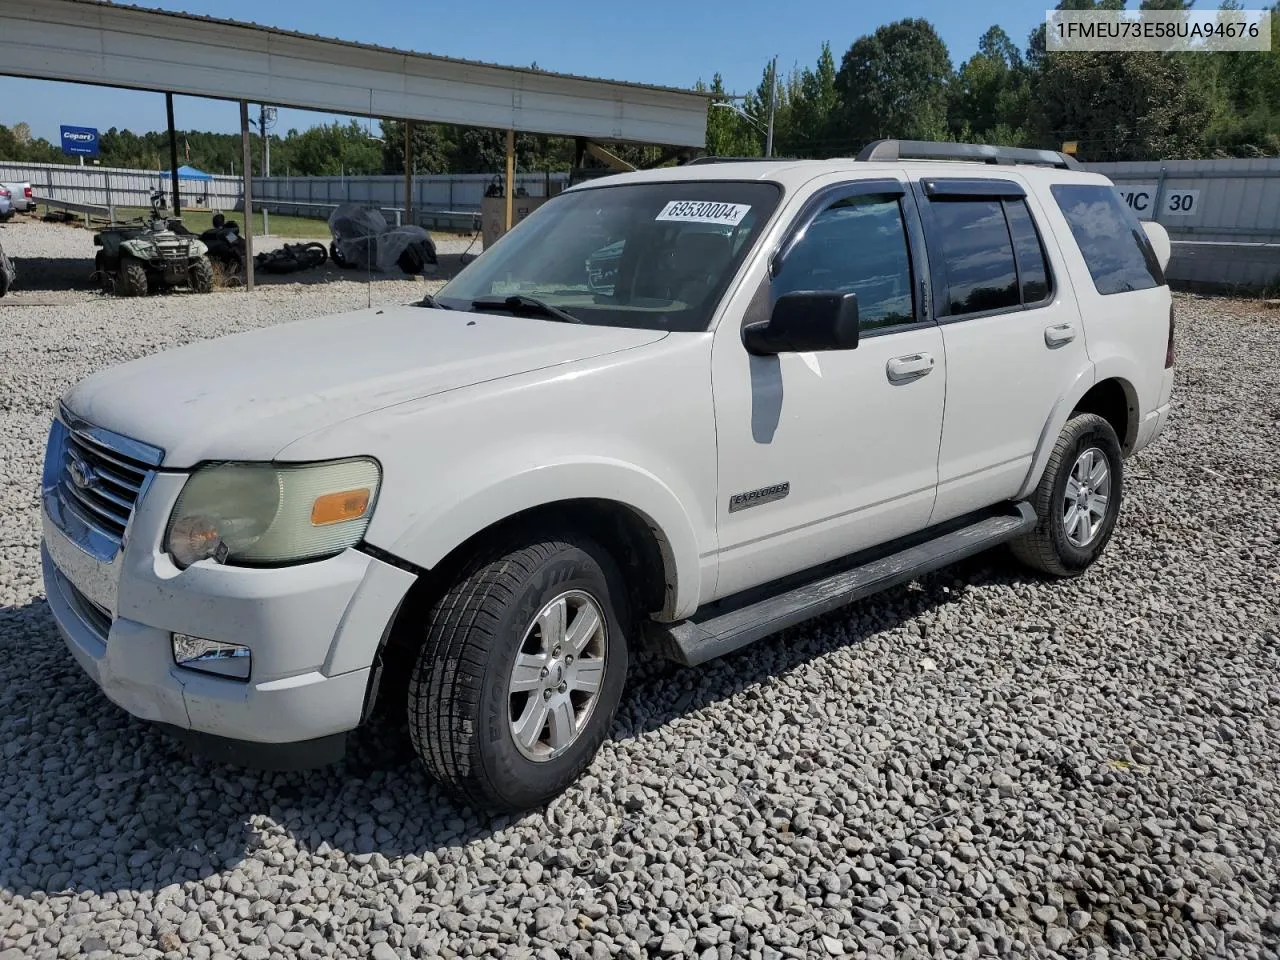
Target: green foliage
[
  {"x": 894, "y": 83},
  {"x": 814, "y": 101}
]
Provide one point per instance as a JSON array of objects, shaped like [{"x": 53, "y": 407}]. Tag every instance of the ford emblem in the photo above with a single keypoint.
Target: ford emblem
[{"x": 81, "y": 472}]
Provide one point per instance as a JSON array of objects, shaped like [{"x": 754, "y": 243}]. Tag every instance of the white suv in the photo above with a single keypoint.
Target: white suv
[{"x": 801, "y": 383}]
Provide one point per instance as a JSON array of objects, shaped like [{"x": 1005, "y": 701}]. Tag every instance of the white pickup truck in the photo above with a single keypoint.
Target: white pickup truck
[{"x": 685, "y": 407}]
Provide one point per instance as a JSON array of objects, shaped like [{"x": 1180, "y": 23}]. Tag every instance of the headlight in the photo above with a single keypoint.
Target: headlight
[{"x": 264, "y": 513}]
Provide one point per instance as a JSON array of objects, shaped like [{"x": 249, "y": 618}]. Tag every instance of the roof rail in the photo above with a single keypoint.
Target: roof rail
[
  {"x": 711, "y": 159},
  {"x": 974, "y": 152}
]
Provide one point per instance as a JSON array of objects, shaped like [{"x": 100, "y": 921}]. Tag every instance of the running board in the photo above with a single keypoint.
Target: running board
[{"x": 700, "y": 639}]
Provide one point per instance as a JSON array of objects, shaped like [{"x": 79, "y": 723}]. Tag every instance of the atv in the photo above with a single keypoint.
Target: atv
[{"x": 139, "y": 257}]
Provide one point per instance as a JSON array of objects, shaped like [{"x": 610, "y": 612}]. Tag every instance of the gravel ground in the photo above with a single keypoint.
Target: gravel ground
[{"x": 978, "y": 764}]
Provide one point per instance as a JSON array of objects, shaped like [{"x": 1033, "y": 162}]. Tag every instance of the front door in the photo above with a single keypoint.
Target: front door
[{"x": 822, "y": 454}]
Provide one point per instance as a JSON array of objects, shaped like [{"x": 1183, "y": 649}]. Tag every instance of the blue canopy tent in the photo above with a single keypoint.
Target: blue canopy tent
[{"x": 199, "y": 193}]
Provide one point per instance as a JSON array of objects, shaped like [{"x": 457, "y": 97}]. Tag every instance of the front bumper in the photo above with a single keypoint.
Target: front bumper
[{"x": 314, "y": 630}]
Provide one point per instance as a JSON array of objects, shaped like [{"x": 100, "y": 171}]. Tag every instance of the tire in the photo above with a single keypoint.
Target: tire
[
  {"x": 460, "y": 698},
  {"x": 1052, "y": 548},
  {"x": 335, "y": 254},
  {"x": 200, "y": 273},
  {"x": 131, "y": 281}
]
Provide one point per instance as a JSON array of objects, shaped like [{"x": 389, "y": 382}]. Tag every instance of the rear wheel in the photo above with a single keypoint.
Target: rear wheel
[
  {"x": 521, "y": 672},
  {"x": 201, "y": 275},
  {"x": 1077, "y": 501},
  {"x": 131, "y": 281}
]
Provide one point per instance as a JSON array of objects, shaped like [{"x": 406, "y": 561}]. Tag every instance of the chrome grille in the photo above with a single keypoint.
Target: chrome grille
[
  {"x": 100, "y": 485},
  {"x": 92, "y": 481}
]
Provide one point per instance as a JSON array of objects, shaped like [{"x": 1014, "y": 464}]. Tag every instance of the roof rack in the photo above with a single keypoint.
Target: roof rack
[
  {"x": 974, "y": 152},
  {"x": 711, "y": 159}
]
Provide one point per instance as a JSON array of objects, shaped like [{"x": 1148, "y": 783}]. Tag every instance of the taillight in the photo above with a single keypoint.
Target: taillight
[
  {"x": 26, "y": 191},
  {"x": 1168, "y": 351}
]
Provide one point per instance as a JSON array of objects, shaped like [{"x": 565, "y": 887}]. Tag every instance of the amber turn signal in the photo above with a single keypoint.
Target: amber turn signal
[{"x": 337, "y": 507}]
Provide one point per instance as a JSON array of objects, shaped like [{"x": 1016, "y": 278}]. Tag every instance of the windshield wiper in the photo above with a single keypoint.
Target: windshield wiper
[
  {"x": 431, "y": 302},
  {"x": 519, "y": 303}
]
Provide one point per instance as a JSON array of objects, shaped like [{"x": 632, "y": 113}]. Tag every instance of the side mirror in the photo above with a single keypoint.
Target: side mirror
[
  {"x": 805, "y": 321},
  {"x": 1159, "y": 238}
]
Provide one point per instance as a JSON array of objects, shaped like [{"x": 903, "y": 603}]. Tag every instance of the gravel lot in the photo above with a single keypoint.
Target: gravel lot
[{"x": 978, "y": 764}]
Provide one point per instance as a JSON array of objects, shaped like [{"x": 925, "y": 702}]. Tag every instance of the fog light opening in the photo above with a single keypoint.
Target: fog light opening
[{"x": 232, "y": 660}]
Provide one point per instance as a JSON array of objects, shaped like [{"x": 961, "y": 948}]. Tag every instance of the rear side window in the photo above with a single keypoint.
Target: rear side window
[
  {"x": 1033, "y": 272},
  {"x": 978, "y": 255},
  {"x": 1112, "y": 242}
]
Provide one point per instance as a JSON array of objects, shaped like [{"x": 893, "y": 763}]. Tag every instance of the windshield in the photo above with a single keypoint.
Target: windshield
[{"x": 656, "y": 255}]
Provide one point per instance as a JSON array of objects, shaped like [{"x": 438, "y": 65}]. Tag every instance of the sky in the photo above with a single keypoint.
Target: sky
[{"x": 667, "y": 42}]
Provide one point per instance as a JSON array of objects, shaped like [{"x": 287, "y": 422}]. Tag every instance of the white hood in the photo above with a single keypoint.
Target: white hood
[{"x": 247, "y": 396}]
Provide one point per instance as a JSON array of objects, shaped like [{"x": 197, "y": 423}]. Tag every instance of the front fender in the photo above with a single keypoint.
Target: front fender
[{"x": 481, "y": 498}]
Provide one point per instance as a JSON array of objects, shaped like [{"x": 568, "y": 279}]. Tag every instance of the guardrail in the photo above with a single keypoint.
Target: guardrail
[
  {"x": 445, "y": 219},
  {"x": 88, "y": 209}
]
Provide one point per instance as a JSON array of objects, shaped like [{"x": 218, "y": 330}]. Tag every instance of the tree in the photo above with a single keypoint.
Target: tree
[
  {"x": 990, "y": 96},
  {"x": 430, "y": 147},
  {"x": 1130, "y": 106},
  {"x": 893, "y": 83},
  {"x": 330, "y": 150},
  {"x": 815, "y": 104},
  {"x": 728, "y": 134}
]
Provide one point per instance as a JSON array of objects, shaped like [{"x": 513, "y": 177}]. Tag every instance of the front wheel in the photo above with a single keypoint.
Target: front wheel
[
  {"x": 1077, "y": 501},
  {"x": 521, "y": 672},
  {"x": 131, "y": 281},
  {"x": 201, "y": 275}
]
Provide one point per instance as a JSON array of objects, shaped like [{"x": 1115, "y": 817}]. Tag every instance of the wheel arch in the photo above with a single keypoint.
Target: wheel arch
[
  {"x": 630, "y": 537},
  {"x": 1109, "y": 393},
  {"x": 601, "y": 497}
]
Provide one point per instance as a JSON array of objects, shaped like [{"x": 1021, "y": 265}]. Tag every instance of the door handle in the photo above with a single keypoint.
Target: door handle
[
  {"x": 1057, "y": 335},
  {"x": 910, "y": 367}
]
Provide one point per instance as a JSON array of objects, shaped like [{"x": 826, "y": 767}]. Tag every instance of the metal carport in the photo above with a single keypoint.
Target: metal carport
[{"x": 88, "y": 41}]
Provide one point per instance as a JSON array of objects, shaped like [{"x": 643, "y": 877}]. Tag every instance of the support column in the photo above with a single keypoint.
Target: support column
[
  {"x": 247, "y": 157},
  {"x": 408, "y": 171},
  {"x": 511, "y": 175},
  {"x": 173, "y": 155}
]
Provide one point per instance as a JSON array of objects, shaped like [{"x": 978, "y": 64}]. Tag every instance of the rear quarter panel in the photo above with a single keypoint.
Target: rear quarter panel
[{"x": 1126, "y": 333}]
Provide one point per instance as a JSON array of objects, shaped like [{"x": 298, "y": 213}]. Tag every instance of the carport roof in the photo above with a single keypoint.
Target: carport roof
[{"x": 89, "y": 41}]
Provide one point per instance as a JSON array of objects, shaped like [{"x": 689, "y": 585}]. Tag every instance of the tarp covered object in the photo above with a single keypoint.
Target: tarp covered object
[{"x": 362, "y": 240}]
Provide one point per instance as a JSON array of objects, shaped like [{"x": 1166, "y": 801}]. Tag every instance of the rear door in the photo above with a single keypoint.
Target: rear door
[{"x": 1010, "y": 328}]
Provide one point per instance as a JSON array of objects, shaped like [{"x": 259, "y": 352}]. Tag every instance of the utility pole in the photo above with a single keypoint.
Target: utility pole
[
  {"x": 773, "y": 97},
  {"x": 266, "y": 140}
]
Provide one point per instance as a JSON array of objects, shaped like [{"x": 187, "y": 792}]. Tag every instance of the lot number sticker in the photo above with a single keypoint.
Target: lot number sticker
[{"x": 704, "y": 211}]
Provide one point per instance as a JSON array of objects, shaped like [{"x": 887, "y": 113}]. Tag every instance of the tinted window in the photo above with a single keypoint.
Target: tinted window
[
  {"x": 1113, "y": 244},
  {"x": 1031, "y": 259},
  {"x": 856, "y": 245},
  {"x": 977, "y": 254}
]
